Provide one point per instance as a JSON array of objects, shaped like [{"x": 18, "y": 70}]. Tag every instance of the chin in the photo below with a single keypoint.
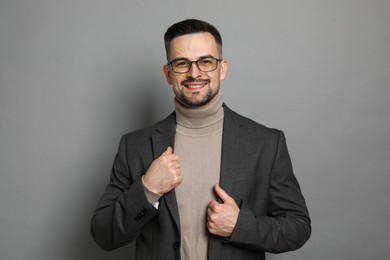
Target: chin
[
  {"x": 196, "y": 103},
  {"x": 197, "y": 99}
]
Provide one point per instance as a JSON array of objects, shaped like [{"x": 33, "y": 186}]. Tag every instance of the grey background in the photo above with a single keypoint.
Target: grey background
[{"x": 75, "y": 75}]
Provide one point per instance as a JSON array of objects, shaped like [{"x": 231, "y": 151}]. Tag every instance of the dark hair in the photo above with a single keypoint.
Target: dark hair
[{"x": 190, "y": 26}]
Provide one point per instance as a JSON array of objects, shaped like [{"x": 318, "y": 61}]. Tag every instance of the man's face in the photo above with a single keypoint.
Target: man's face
[{"x": 195, "y": 88}]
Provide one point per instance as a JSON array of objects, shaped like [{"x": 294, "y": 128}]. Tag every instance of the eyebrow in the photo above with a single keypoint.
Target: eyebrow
[{"x": 201, "y": 57}]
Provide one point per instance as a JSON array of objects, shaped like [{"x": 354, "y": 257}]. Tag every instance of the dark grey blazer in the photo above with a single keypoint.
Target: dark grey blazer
[{"x": 255, "y": 170}]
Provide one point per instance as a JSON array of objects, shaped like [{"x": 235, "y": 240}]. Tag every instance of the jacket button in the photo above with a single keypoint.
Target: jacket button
[
  {"x": 140, "y": 215},
  {"x": 176, "y": 245}
]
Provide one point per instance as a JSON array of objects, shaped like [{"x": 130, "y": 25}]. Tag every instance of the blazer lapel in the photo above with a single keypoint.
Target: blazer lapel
[
  {"x": 231, "y": 158},
  {"x": 163, "y": 137},
  {"x": 232, "y": 149}
]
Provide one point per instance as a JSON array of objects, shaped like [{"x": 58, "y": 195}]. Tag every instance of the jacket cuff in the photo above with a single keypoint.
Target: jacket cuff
[{"x": 151, "y": 196}]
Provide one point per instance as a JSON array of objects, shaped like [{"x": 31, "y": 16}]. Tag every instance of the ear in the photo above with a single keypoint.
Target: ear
[
  {"x": 167, "y": 74},
  {"x": 223, "y": 69}
]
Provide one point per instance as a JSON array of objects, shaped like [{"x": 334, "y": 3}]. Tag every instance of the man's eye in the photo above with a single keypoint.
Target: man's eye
[
  {"x": 205, "y": 61},
  {"x": 181, "y": 63}
]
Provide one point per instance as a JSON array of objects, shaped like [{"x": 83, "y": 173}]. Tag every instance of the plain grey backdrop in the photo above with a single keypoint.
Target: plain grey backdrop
[{"x": 75, "y": 75}]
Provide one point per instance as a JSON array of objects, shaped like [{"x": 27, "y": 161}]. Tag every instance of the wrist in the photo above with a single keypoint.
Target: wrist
[{"x": 147, "y": 187}]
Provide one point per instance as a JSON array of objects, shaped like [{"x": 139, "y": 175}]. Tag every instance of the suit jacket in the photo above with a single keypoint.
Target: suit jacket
[{"x": 255, "y": 170}]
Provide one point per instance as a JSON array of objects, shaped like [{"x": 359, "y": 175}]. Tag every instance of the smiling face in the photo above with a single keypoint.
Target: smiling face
[{"x": 195, "y": 88}]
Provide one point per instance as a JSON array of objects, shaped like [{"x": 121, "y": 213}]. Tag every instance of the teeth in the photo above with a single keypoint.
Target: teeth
[{"x": 194, "y": 86}]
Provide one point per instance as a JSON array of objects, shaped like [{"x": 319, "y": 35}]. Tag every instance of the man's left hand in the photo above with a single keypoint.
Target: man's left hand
[{"x": 222, "y": 218}]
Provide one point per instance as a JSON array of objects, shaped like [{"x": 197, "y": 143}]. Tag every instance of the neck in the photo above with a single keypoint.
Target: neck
[{"x": 199, "y": 117}]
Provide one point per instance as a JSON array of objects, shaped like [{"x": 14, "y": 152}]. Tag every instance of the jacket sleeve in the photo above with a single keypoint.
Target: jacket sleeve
[
  {"x": 286, "y": 226},
  {"x": 123, "y": 209}
]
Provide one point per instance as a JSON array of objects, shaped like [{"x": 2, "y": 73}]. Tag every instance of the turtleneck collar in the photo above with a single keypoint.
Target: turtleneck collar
[{"x": 199, "y": 117}]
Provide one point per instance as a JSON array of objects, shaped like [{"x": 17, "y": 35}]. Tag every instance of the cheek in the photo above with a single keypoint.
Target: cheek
[
  {"x": 176, "y": 85},
  {"x": 176, "y": 81}
]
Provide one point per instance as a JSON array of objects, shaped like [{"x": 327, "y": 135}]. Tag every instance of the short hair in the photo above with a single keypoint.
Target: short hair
[{"x": 190, "y": 26}]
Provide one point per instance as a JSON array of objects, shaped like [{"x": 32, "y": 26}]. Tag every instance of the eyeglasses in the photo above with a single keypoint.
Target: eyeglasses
[{"x": 205, "y": 64}]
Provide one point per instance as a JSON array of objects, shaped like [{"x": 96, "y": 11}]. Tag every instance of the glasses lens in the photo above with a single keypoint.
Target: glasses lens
[
  {"x": 207, "y": 64},
  {"x": 181, "y": 65}
]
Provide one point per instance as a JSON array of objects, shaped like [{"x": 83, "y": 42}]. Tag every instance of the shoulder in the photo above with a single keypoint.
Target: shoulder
[
  {"x": 248, "y": 124},
  {"x": 144, "y": 134}
]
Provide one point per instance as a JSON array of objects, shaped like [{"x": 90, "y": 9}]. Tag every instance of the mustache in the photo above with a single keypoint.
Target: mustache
[{"x": 192, "y": 80}]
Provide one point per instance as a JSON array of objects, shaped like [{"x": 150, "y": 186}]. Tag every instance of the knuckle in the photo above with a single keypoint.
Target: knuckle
[
  {"x": 210, "y": 225},
  {"x": 176, "y": 180}
]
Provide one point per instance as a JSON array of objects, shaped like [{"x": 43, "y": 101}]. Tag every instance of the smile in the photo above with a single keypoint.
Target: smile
[
  {"x": 192, "y": 84},
  {"x": 195, "y": 86}
]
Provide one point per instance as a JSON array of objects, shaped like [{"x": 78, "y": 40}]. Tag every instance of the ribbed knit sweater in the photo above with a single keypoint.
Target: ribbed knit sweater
[{"x": 198, "y": 142}]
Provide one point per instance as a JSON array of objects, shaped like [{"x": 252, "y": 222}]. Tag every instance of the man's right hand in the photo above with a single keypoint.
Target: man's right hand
[{"x": 164, "y": 173}]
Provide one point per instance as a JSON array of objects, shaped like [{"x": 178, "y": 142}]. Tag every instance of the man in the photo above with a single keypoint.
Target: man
[{"x": 204, "y": 183}]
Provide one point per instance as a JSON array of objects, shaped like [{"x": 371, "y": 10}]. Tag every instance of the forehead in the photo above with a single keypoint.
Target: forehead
[{"x": 193, "y": 46}]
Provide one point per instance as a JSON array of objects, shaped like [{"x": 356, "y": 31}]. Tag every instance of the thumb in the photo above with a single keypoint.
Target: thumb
[
  {"x": 222, "y": 194},
  {"x": 168, "y": 151}
]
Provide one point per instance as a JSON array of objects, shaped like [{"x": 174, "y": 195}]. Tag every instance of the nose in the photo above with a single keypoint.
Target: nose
[{"x": 194, "y": 71}]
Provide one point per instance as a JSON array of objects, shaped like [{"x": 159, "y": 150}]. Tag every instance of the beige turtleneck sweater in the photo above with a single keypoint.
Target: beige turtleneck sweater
[{"x": 198, "y": 142}]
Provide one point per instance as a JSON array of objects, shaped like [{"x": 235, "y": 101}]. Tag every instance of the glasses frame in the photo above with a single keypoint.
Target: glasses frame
[{"x": 196, "y": 63}]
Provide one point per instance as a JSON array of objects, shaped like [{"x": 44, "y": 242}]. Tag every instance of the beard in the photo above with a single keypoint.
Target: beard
[{"x": 196, "y": 100}]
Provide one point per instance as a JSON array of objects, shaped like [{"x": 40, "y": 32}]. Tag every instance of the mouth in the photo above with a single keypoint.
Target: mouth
[{"x": 195, "y": 85}]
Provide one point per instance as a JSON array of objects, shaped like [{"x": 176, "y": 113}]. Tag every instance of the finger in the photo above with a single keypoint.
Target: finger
[
  {"x": 168, "y": 154},
  {"x": 168, "y": 151},
  {"x": 212, "y": 203},
  {"x": 222, "y": 194},
  {"x": 179, "y": 178},
  {"x": 214, "y": 206},
  {"x": 173, "y": 157},
  {"x": 175, "y": 164},
  {"x": 210, "y": 225},
  {"x": 209, "y": 211},
  {"x": 178, "y": 173}
]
